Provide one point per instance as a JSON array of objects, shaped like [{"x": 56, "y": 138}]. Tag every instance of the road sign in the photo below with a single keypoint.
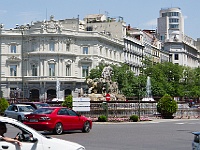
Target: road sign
[{"x": 107, "y": 97}]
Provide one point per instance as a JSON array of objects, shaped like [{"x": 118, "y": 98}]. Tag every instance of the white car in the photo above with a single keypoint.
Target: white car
[{"x": 33, "y": 140}]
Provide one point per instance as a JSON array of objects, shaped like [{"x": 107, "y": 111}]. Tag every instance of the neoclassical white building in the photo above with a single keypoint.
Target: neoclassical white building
[{"x": 34, "y": 57}]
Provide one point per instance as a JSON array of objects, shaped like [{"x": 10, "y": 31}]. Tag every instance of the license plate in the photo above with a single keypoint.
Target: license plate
[{"x": 33, "y": 120}]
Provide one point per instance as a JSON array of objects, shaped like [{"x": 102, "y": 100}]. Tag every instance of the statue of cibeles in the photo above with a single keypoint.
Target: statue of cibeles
[{"x": 107, "y": 73}]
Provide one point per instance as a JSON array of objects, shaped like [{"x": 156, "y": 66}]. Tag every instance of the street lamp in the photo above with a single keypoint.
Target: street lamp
[
  {"x": 1, "y": 93},
  {"x": 139, "y": 90},
  {"x": 22, "y": 28}
]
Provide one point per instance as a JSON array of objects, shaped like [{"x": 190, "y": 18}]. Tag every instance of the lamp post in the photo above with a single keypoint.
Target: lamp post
[
  {"x": 139, "y": 96},
  {"x": 1, "y": 93},
  {"x": 139, "y": 103},
  {"x": 22, "y": 28}
]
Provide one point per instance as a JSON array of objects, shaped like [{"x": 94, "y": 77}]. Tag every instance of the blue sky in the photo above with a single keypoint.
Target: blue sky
[{"x": 138, "y": 13}]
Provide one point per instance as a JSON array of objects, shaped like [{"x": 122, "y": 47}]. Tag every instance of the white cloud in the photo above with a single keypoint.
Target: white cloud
[{"x": 151, "y": 23}]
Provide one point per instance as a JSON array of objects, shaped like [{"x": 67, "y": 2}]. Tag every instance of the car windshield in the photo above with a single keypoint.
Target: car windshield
[
  {"x": 26, "y": 109},
  {"x": 39, "y": 105},
  {"x": 196, "y": 138},
  {"x": 44, "y": 111}
]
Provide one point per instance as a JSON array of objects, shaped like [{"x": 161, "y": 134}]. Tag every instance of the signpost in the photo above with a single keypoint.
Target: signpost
[
  {"x": 81, "y": 104},
  {"x": 107, "y": 97}
]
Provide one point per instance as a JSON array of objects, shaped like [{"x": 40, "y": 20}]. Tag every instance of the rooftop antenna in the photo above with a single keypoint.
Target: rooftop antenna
[{"x": 106, "y": 13}]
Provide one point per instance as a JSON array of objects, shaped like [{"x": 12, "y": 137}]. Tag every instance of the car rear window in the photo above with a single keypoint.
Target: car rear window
[
  {"x": 44, "y": 111},
  {"x": 39, "y": 105},
  {"x": 26, "y": 108}
]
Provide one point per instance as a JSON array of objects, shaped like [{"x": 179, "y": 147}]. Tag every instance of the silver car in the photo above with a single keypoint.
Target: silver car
[
  {"x": 196, "y": 141},
  {"x": 18, "y": 111}
]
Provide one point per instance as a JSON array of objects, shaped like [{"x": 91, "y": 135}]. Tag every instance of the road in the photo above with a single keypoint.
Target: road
[{"x": 153, "y": 135}]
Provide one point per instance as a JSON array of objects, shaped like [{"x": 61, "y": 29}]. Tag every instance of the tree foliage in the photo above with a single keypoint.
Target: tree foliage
[
  {"x": 166, "y": 78},
  {"x": 3, "y": 105},
  {"x": 68, "y": 101},
  {"x": 167, "y": 106}
]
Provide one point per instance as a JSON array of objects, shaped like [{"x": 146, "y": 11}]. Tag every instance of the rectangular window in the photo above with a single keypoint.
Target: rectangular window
[
  {"x": 34, "y": 70},
  {"x": 89, "y": 28},
  {"x": 68, "y": 70},
  {"x": 13, "y": 48},
  {"x": 13, "y": 70},
  {"x": 85, "y": 50},
  {"x": 114, "y": 55},
  {"x": 173, "y": 20},
  {"x": 173, "y": 26},
  {"x": 110, "y": 54},
  {"x": 85, "y": 71},
  {"x": 33, "y": 46},
  {"x": 52, "y": 46},
  {"x": 175, "y": 56},
  {"x": 51, "y": 69},
  {"x": 67, "y": 47},
  {"x": 162, "y": 37},
  {"x": 106, "y": 52},
  {"x": 100, "y": 50}
]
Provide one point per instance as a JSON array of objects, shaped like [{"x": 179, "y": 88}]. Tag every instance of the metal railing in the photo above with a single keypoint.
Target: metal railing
[{"x": 121, "y": 109}]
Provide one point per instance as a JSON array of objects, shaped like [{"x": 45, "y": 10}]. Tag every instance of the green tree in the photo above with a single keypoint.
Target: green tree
[
  {"x": 167, "y": 106},
  {"x": 165, "y": 78},
  {"x": 3, "y": 105},
  {"x": 68, "y": 101},
  {"x": 96, "y": 72}
]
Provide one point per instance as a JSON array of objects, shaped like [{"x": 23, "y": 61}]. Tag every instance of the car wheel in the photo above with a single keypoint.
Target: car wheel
[
  {"x": 19, "y": 118},
  {"x": 58, "y": 128},
  {"x": 86, "y": 127},
  {"x": 5, "y": 115}
]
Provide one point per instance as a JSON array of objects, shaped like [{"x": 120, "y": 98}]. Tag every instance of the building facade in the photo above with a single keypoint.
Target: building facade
[
  {"x": 182, "y": 49},
  {"x": 34, "y": 57}
]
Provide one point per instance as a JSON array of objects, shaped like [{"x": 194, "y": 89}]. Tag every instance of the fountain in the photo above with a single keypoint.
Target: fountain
[
  {"x": 58, "y": 92},
  {"x": 148, "y": 95},
  {"x": 57, "y": 89}
]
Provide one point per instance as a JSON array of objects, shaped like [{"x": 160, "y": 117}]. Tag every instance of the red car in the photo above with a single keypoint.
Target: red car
[{"x": 57, "y": 119}]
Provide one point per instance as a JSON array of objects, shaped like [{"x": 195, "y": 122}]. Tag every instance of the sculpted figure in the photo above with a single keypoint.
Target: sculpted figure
[{"x": 107, "y": 73}]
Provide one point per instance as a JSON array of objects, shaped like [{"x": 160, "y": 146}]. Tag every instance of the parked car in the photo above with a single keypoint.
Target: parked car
[
  {"x": 33, "y": 140},
  {"x": 57, "y": 119},
  {"x": 35, "y": 105},
  {"x": 196, "y": 141},
  {"x": 18, "y": 111}
]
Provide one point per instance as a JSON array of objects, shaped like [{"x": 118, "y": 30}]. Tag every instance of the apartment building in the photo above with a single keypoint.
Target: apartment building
[{"x": 182, "y": 49}]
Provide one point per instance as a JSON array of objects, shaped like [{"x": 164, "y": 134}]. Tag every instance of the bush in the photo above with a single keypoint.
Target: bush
[
  {"x": 3, "y": 105},
  {"x": 167, "y": 106},
  {"x": 134, "y": 118},
  {"x": 68, "y": 101},
  {"x": 102, "y": 118}
]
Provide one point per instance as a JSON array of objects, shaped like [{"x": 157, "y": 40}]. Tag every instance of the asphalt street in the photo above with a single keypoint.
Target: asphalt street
[{"x": 157, "y": 134}]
